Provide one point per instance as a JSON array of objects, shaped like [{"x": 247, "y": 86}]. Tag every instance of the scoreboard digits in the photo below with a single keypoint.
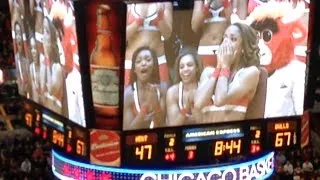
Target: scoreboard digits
[
  {"x": 282, "y": 134},
  {"x": 209, "y": 144},
  {"x": 282, "y": 137},
  {"x": 141, "y": 147},
  {"x": 58, "y": 138},
  {"x": 144, "y": 152},
  {"x": 80, "y": 148},
  {"x": 229, "y": 147},
  {"x": 180, "y": 145},
  {"x": 28, "y": 119},
  {"x": 170, "y": 146}
]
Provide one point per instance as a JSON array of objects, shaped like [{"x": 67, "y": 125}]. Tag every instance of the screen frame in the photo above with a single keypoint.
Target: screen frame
[
  {"x": 310, "y": 38},
  {"x": 83, "y": 70}
]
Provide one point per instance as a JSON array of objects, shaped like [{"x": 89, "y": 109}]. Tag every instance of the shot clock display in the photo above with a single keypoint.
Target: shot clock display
[{"x": 227, "y": 147}]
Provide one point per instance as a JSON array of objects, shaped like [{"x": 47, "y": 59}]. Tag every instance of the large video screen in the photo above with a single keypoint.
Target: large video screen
[
  {"x": 46, "y": 55},
  {"x": 210, "y": 61}
]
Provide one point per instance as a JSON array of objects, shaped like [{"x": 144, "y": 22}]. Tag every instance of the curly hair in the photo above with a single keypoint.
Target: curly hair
[
  {"x": 155, "y": 77},
  {"x": 251, "y": 54},
  {"x": 184, "y": 52}
]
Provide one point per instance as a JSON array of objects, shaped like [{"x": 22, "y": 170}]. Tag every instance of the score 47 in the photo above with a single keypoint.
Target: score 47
[
  {"x": 281, "y": 137},
  {"x": 140, "y": 152}
]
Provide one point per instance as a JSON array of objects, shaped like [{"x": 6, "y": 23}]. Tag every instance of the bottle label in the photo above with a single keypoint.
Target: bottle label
[{"x": 105, "y": 85}]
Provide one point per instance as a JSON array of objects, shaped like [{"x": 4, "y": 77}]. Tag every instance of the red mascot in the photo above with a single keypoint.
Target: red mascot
[{"x": 280, "y": 31}]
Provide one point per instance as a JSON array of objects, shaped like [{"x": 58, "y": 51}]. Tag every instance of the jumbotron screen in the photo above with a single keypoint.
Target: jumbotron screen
[
  {"x": 46, "y": 56},
  {"x": 212, "y": 61}
]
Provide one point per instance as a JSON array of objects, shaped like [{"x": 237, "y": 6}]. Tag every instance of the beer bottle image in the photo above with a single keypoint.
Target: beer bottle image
[{"x": 104, "y": 68}]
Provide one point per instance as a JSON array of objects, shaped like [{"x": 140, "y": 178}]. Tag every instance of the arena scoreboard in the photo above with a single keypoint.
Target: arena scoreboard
[
  {"x": 209, "y": 144},
  {"x": 175, "y": 146},
  {"x": 67, "y": 137}
]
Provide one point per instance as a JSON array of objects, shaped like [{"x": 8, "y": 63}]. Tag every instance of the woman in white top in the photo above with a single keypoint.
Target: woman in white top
[
  {"x": 225, "y": 92},
  {"x": 181, "y": 95},
  {"x": 144, "y": 102},
  {"x": 34, "y": 70},
  {"x": 22, "y": 64},
  {"x": 54, "y": 91}
]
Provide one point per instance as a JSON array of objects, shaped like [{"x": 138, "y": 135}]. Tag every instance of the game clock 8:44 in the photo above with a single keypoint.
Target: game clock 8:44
[{"x": 226, "y": 147}]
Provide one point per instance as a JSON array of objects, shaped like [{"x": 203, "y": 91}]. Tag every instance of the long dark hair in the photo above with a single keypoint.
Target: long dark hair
[
  {"x": 54, "y": 52},
  {"x": 250, "y": 55},
  {"x": 184, "y": 52},
  {"x": 15, "y": 44},
  {"x": 155, "y": 79}
]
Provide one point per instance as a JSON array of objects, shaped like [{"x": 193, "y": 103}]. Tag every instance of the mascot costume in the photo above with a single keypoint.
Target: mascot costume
[{"x": 281, "y": 32}]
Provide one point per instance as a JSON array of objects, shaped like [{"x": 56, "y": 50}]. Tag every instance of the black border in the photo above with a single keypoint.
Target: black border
[{"x": 79, "y": 10}]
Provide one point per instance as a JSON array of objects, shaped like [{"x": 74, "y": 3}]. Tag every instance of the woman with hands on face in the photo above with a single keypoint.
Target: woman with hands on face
[
  {"x": 181, "y": 95},
  {"x": 210, "y": 19},
  {"x": 225, "y": 92},
  {"x": 144, "y": 103}
]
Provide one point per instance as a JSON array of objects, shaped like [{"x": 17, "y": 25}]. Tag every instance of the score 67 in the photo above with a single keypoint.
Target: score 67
[{"x": 280, "y": 138}]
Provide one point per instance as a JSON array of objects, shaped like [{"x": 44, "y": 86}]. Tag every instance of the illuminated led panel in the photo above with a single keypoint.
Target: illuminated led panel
[
  {"x": 170, "y": 147},
  {"x": 141, "y": 147},
  {"x": 260, "y": 168},
  {"x": 255, "y": 139},
  {"x": 283, "y": 134}
]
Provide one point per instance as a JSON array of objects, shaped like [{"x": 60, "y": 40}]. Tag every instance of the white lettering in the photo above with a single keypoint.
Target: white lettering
[
  {"x": 96, "y": 146},
  {"x": 150, "y": 175},
  {"x": 189, "y": 175},
  {"x": 269, "y": 165},
  {"x": 261, "y": 167},
  {"x": 227, "y": 171},
  {"x": 253, "y": 171},
  {"x": 244, "y": 173},
  {"x": 201, "y": 177},
  {"x": 213, "y": 173}
]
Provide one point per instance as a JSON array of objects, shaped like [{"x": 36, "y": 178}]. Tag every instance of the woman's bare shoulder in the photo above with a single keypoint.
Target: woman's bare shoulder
[
  {"x": 208, "y": 69},
  {"x": 128, "y": 92},
  {"x": 207, "y": 72},
  {"x": 251, "y": 70},
  {"x": 173, "y": 90}
]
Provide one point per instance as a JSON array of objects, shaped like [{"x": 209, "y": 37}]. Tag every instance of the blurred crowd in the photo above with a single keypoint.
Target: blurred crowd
[
  {"x": 6, "y": 47},
  {"x": 25, "y": 158},
  {"x": 297, "y": 164}
]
